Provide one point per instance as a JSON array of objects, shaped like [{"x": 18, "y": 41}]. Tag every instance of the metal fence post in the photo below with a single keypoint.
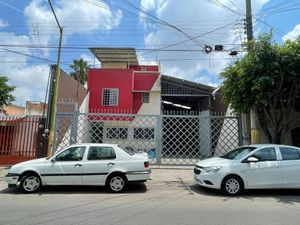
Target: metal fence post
[
  {"x": 55, "y": 134},
  {"x": 74, "y": 127},
  {"x": 240, "y": 129},
  {"x": 159, "y": 128}
]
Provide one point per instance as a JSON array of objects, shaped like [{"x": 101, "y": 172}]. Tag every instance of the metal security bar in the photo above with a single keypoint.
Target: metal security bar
[
  {"x": 20, "y": 138},
  {"x": 166, "y": 139}
]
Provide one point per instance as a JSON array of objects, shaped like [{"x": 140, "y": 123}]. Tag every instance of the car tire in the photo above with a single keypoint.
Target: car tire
[
  {"x": 232, "y": 185},
  {"x": 30, "y": 183},
  {"x": 116, "y": 183}
]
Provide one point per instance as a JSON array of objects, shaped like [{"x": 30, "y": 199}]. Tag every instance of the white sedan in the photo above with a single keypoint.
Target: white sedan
[
  {"x": 82, "y": 164},
  {"x": 251, "y": 167}
]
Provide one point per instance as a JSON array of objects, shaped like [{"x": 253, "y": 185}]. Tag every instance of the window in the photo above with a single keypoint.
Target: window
[
  {"x": 143, "y": 133},
  {"x": 110, "y": 96},
  {"x": 145, "y": 97},
  {"x": 71, "y": 154},
  {"x": 289, "y": 153},
  {"x": 238, "y": 153},
  {"x": 266, "y": 154},
  {"x": 101, "y": 153},
  {"x": 116, "y": 133}
]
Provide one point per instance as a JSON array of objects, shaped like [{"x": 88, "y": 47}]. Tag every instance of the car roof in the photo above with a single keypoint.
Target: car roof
[
  {"x": 95, "y": 144},
  {"x": 269, "y": 145}
]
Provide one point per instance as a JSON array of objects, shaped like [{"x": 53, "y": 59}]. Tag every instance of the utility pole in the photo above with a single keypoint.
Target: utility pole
[
  {"x": 56, "y": 77},
  {"x": 249, "y": 25},
  {"x": 255, "y": 136}
]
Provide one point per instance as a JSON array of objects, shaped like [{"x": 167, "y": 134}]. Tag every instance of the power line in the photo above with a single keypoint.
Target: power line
[
  {"x": 276, "y": 6},
  {"x": 24, "y": 54},
  {"x": 223, "y": 6},
  {"x": 180, "y": 42},
  {"x": 278, "y": 31},
  {"x": 163, "y": 22},
  {"x": 11, "y": 6},
  {"x": 284, "y": 6}
]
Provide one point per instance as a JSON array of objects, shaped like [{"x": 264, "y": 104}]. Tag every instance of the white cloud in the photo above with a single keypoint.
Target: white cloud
[
  {"x": 3, "y": 24},
  {"x": 292, "y": 35},
  {"x": 80, "y": 17},
  {"x": 146, "y": 5},
  {"x": 31, "y": 83},
  {"x": 94, "y": 63},
  {"x": 197, "y": 18},
  {"x": 7, "y": 55}
]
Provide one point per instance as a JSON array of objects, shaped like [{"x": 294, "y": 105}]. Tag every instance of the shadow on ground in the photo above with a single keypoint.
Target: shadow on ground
[
  {"x": 288, "y": 196},
  {"x": 131, "y": 189}
]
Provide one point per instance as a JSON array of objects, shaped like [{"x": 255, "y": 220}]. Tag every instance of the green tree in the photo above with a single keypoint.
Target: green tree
[
  {"x": 80, "y": 70},
  {"x": 267, "y": 80},
  {"x": 5, "y": 92}
]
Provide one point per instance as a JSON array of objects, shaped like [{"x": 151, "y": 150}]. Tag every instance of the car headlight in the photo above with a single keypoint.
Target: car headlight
[{"x": 212, "y": 169}]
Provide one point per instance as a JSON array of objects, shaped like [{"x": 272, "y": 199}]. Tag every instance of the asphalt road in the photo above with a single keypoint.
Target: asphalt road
[{"x": 171, "y": 198}]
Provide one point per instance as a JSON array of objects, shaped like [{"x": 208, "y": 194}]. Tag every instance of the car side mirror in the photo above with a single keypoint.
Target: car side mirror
[
  {"x": 252, "y": 159},
  {"x": 53, "y": 159}
]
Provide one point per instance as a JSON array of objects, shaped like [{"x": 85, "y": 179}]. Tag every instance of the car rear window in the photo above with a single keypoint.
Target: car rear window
[
  {"x": 289, "y": 153},
  {"x": 129, "y": 150}
]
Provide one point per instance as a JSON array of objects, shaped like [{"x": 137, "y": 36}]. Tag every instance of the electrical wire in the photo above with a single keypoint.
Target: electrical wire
[
  {"x": 275, "y": 29},
  {"x": 180, "y": 42},
  {"x": 24, "y": 54},
  {"x": 223, "y": 6}
]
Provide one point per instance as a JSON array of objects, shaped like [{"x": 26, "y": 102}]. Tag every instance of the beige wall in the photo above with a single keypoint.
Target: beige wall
[
  {"x": 105, "y": 65},
  {"x": 153, "y": 107}
]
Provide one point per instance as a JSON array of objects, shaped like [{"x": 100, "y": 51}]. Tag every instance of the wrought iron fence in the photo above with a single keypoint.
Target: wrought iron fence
[
  {"x": 21, "y": 138},
  {"x": 167, "y": 139}
]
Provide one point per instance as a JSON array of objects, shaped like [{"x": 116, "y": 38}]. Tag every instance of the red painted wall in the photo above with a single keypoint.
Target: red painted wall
[
  {"x": 110, "y": 78},
  {"x": 127, "y": 81},
  {"x": 137, "y": 101},
  {"x": 144, "y": 81}
]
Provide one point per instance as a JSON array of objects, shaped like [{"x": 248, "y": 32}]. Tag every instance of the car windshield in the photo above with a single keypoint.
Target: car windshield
[{"x": 238, "y": 153}]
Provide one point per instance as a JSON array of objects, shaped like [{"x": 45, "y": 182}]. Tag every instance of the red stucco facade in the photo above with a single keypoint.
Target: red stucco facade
[{"x": 130, "y": 82}]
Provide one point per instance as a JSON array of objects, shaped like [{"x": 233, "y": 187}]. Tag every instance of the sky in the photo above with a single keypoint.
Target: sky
[{"x": 171, "y": 33}]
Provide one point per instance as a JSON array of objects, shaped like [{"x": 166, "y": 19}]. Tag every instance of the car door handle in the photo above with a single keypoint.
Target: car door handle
[
  {"x": 78, "y": 165},
  {"x": 110, "y": 164}
]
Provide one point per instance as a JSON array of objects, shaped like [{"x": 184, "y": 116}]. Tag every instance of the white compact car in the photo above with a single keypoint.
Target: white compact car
[
  {"x": 82, "y": 164},
  {"x": 251, "y": 167}
]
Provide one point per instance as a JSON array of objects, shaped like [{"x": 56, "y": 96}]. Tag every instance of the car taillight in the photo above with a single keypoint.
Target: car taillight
[{"x": 146, "y": 164}]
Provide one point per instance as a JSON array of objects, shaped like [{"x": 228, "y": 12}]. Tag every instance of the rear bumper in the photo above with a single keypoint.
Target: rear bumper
[{"x": 138, "y": 175}]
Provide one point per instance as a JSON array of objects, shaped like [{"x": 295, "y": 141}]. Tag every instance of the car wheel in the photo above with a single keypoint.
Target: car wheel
[
  {"x": 30, "y": 183},
  {"x": 116, "y": 183},
  {"x": 232, "y": 185}
]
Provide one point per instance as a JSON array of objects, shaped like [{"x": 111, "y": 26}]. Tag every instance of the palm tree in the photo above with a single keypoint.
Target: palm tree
[{"x": 80, "y": 70}]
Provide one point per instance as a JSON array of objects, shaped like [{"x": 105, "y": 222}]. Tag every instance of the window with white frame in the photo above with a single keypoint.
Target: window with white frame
[
  {"x": 145, "y": 97},
  {"x": 110, "y": 96}
]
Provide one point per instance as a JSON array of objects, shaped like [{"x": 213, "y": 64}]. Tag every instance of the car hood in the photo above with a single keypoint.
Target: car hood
[
  {"x": 215, "y": 161},
  {"x": 31, "y": 162}
]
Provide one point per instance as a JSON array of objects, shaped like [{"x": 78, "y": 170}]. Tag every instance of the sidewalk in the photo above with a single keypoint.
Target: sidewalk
[{"x": 172, "y": 174}]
